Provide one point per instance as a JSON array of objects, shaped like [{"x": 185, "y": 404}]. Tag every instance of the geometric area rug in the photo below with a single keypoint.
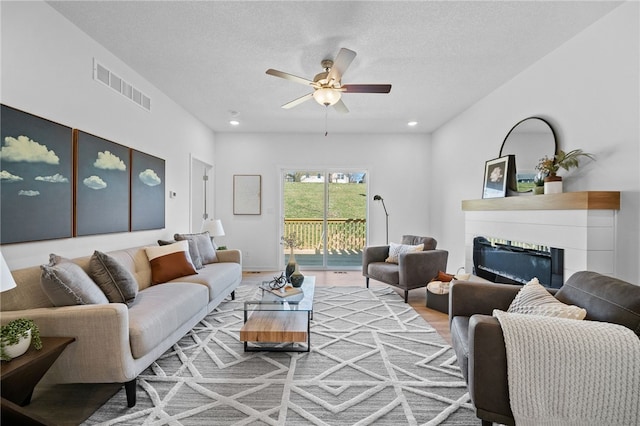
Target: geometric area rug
[{"x": 373, "y": 360}]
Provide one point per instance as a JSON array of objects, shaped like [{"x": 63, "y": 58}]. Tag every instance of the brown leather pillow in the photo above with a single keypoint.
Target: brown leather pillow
[
  {"x": 444, "y": 277},
  {"x": 170, "y": 262}
]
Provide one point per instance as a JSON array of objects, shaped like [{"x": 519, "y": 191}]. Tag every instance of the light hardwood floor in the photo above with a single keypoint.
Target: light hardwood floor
[{"x": 417, "y": 297}]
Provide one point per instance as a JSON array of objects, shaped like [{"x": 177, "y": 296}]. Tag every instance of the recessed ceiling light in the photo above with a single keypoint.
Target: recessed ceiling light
[
  {"x": 234, "y": 122},
  {"x": 412, "y": 123}
]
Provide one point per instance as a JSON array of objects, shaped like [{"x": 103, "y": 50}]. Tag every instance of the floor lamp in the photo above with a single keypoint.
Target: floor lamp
[{"x": 379, "y": 198}]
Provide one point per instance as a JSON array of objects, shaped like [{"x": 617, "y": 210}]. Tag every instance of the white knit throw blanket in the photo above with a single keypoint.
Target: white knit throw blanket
[{"x": 570, "y": 372}]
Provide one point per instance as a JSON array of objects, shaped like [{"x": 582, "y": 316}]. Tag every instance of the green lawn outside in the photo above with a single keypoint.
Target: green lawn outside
[{"x": 306, "y": 200}]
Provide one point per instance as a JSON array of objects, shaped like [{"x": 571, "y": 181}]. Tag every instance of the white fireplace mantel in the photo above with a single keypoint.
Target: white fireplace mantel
[{"x": 581, "y": 223}]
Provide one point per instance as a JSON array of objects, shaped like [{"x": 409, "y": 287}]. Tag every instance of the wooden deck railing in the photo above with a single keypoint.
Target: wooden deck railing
[{"x": 342, "y": 234}]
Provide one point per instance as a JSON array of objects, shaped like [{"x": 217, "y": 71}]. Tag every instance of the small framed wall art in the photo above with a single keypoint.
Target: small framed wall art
[
  {"x": 247, "y": 194},
  {"x": 497, "y": 174}
]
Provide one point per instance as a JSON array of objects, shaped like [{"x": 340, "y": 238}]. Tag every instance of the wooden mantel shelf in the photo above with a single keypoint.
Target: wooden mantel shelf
[{"x": 585, "y": 200}]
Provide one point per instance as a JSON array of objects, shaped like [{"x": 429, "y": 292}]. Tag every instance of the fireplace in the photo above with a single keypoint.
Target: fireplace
[{"x": 514, "y": 262}]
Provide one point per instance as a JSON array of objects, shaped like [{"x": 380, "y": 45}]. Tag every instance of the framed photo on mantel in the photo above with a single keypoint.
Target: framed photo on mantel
[{"x": 496, "y": 176}]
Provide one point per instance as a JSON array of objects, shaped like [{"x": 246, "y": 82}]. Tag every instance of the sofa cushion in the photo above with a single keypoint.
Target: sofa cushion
[
  {"x": 605, "y": 298},
  {"x": 460, "y": 342},
  {"x": 160, "y": 310},
  {"x": 216, "y": 277},
  {"x": 534, "y": 299},
  {"x": 169, "y": 262},
  {"x": 196, "y": 259},
  {"x": 395, "y": 250},
  {"x": 205, "y": 246},
  {"x": 115, "y": 281},
  {"x": 384, "y": 272},
  {"x": 66, "y": 283}
]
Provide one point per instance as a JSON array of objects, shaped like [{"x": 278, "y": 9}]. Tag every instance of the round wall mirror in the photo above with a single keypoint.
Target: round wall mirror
[{"x": 529, "y": 140}]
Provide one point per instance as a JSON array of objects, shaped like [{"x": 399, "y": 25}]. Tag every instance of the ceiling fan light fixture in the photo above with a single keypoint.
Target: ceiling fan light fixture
[{"x": 327, "y": 96}]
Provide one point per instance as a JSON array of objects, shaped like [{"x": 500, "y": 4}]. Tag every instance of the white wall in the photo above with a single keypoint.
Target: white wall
[
  {"x": 47, "y": 71},
  {"x": 397, "y": 170},
  {"x": 589, "y": 90}
]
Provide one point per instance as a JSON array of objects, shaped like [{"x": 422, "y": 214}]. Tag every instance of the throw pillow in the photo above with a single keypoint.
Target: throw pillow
[
  {"x": 65, "y": 283},
  {"x": 193, "y": 251},
  {"x": 534, "y": 299},
  {"x": 205, "y": 246},
  {"x": 395, "y": 250},
  {"x": 444, "y": 277},
  {"x": 169, "y": 262},
  {"x": 115, "y": 281}
]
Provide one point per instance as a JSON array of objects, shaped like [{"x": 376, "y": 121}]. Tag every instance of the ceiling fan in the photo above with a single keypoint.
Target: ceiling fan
[{"x": 327, "y": 85}]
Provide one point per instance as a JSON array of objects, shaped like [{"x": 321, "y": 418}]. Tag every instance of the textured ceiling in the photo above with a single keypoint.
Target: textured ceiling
[{"x": 440, "y": 56}]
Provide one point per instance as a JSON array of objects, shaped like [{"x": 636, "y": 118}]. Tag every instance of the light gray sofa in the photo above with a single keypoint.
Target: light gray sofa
[{"x": 115, "y": 343}]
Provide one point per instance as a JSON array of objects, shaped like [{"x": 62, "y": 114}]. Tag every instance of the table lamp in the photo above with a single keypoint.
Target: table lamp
[{"x": 215, "y": 229}]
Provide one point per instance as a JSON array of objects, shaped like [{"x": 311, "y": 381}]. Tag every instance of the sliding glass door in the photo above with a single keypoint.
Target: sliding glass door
[{"x": 326, "y": 211}]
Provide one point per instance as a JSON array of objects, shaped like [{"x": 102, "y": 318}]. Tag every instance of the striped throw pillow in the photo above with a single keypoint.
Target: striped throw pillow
[
  {"x": 534, "y": 299},
  {"x": 395, "y": 250}
]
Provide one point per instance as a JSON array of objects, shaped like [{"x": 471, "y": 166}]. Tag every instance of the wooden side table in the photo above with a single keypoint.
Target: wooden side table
[{"x": 20, "y": 376}]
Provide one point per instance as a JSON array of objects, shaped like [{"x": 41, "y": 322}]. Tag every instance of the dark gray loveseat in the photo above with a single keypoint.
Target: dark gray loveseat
[{"x": 479, "y": 343}]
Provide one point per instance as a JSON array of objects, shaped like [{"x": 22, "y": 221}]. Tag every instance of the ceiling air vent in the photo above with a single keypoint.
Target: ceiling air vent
[{"x": 105, "y": 76}]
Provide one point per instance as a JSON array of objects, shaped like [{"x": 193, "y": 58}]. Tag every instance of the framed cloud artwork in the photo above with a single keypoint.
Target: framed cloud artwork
[
  {"x": 102, "y": 185},
  {"x": 36, "y": 174},
  {"x": 147, "y": 191}
]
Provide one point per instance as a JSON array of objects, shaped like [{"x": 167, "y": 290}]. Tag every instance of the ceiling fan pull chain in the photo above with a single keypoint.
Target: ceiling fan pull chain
[{"x": 326, "y": 113}]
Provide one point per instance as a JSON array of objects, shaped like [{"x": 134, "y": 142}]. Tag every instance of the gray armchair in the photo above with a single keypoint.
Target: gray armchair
[
  {"x": 478, "y": 340},
  {"x": 413, "y": 270}
]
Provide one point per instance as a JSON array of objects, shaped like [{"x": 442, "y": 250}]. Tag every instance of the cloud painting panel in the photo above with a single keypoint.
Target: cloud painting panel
[
  {"x": 36, "y": 170},
  {"x": 147, "y": 191},
  {"x": 102, "y": 188}
]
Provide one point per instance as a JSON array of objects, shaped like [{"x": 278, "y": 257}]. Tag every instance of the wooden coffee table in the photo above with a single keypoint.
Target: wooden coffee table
[{"x": 279, "y": 324}]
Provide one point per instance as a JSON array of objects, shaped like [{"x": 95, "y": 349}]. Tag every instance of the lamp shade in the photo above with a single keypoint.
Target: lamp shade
[
  {"x": 214, "y": 227},
  {"x": 6, "y": 279},
  {"x": 326, "y": 96}
]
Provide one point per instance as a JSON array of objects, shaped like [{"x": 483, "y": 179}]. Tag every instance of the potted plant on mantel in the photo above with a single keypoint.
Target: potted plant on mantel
[
  {"x": 16, "y": 337},
  {"x": 550, "y": 166}
]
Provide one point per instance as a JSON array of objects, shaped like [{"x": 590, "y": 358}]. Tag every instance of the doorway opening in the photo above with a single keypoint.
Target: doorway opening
[
  {"x": 201, "y": 205},
  {"x": 326, "y": 210}
]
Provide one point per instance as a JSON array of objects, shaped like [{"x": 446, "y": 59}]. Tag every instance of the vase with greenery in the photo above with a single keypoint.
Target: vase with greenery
[
  {"x": 562, "y": 160},
  {"x": 291, "y": 241},
  {"x": 538, "y": 181},
  {"x": 13, "y": 334}
]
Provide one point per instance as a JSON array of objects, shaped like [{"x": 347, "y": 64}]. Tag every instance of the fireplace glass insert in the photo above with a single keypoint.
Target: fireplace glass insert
[{"x": 513, "y": 262}]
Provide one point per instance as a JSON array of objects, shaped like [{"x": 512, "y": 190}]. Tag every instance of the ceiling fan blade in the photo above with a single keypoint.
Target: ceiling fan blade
[
  {"x": 341, "y": 107},
  {"x": 298, "y": 101},
  {"x": 366, "y": 88},
  {"x": 340, "y": 65},
  {"x": 290, "y": 77}
]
